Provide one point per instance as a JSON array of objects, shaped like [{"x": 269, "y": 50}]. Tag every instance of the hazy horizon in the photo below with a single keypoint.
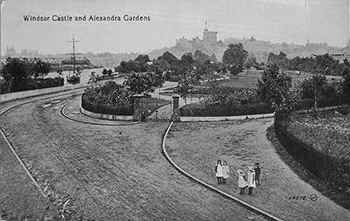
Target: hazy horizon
[{"x": 276, "y": 21}]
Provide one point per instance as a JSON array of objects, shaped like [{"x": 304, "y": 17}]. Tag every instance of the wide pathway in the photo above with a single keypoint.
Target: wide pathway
[
  {"x": 197, "y": 146},
  {"x": 110, "y": 173}
]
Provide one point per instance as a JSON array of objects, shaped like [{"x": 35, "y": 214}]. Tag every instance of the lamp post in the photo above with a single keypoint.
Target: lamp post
[{"x": 1, "y": 6}]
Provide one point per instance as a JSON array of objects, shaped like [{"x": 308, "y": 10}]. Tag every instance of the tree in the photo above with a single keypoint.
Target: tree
[
  {"x": 201, "y": 57},
  {"x": 280, "y": 60},
  {"x": 234, "y": 58},
  {"x": 184, "y": 88},
  {"x": 40, "y": 68},
  {"x": 187, "y": 61},
  {"x": 104, "y": 72},
  {"x": 169, "y": 57},
  {"x": 16, "y": 73},
  {"x": 139, "y": 83},
  {"x": 273, "y": 88},
  {"x": 312, "y": 86},
  {"x": 346, "y": 85}
]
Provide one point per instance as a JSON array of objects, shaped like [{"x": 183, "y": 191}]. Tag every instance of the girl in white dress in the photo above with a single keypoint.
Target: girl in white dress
[
  {"x": 219, "y": 172},
  {"x": 251, "y": 180},
  {"x": 242, "y": 182},
  {"x": 225, "y": 171}
]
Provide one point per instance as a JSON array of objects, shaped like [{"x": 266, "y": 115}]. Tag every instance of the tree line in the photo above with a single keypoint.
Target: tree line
[
  {"x": 20, "y": 74},
  {"x": 197, "y": 64},
  {"x": 276, "y": 89},
  {"x": 324, "y": 64}
]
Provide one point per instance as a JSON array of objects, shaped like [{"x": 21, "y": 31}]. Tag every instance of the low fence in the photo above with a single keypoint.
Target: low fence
[
  {"x": 334, "y": 171},
  {"x": 226, "y": 118}
]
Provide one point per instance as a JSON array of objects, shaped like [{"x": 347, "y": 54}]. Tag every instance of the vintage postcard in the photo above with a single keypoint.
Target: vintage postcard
[{"x": 174, "y": 110}]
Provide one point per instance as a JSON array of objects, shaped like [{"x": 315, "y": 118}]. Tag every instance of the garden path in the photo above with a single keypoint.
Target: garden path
[
  {"x": 165, "y": 112},
  {"x": 196, "y": 146}
]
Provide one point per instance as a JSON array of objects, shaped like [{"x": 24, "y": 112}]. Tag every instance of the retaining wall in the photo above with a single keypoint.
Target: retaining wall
[{"x": 106, "y": 116}]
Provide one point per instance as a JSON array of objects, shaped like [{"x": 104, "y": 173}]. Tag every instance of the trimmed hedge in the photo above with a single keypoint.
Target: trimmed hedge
[
  {"x": 106, "y": 108},
  {"x": 48, "y": 82},
  {"x": 33, "y": 84},
  {"x": 333, "y": 170},
  {"x": 213, "y": 110}
]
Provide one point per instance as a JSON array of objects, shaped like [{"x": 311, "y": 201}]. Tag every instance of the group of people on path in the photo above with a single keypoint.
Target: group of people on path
[{"x": 246, "y": 180}]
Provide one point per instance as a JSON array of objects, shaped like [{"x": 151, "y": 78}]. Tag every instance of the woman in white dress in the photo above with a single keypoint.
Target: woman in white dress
[
  {"x": 225, "y": 171},
  {"x": 242, "y": 182},
  {"x": 219, "y": 172},
  {"x": 251, "y": 180}
]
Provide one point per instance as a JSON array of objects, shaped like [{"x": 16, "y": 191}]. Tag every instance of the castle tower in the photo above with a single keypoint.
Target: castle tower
[{"x": 209, "y": 37}]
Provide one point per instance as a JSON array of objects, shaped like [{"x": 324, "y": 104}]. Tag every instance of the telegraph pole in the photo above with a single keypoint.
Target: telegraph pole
[
  {"x": 1, "y": 6},
  {"x": 74, "y": 41},
  {"x": 307, "y": 20}
]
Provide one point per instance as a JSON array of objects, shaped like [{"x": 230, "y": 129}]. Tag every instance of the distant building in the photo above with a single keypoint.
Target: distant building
[{"x": 210, "y": 37}]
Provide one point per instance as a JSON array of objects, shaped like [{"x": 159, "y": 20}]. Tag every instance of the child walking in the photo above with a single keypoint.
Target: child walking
[
  {"x": 251, "y": 180},
  {"x": 257, "y": 170},
  {"x": 225, "y": 171},
  {"x": 242, "y": 182},
  {"x": 219, "y": 172}
]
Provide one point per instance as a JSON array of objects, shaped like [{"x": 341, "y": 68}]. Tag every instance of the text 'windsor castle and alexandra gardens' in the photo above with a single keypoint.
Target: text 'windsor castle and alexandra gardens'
[{"x": 87, "y": 18}]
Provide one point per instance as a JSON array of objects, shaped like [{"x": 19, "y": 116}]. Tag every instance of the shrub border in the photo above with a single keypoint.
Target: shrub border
[{"x": 324, "y": 166}]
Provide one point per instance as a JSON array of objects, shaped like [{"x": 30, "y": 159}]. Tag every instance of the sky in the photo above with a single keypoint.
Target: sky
[{"x": 272, "y": 20}]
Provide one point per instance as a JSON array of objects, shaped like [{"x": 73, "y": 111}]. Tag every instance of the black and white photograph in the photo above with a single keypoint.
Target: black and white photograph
[{"x": 163, "y": 110}]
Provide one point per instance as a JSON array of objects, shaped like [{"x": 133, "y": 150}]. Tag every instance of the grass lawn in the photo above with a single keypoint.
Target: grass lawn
[
  {"x": 249, "y": 79},
  {"x": 197, "y": 146}
]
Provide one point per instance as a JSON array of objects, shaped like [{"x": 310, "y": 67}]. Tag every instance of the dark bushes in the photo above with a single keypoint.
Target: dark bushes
[
  {"x": 333, "y": 170},
  {"x": 125, "y": 109},
  {"x": 74, "y": 79},
  {"x": 32, "y": 84},
  {"x": 46, "y": 83},
  {"x": 206, "y": 110}
]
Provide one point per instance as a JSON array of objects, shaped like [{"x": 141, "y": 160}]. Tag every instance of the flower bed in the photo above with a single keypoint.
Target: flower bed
[{"x": 320, "y": 144}]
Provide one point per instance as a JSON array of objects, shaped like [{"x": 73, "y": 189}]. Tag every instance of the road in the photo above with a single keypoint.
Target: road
[{"x": 109, "y": 172}]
